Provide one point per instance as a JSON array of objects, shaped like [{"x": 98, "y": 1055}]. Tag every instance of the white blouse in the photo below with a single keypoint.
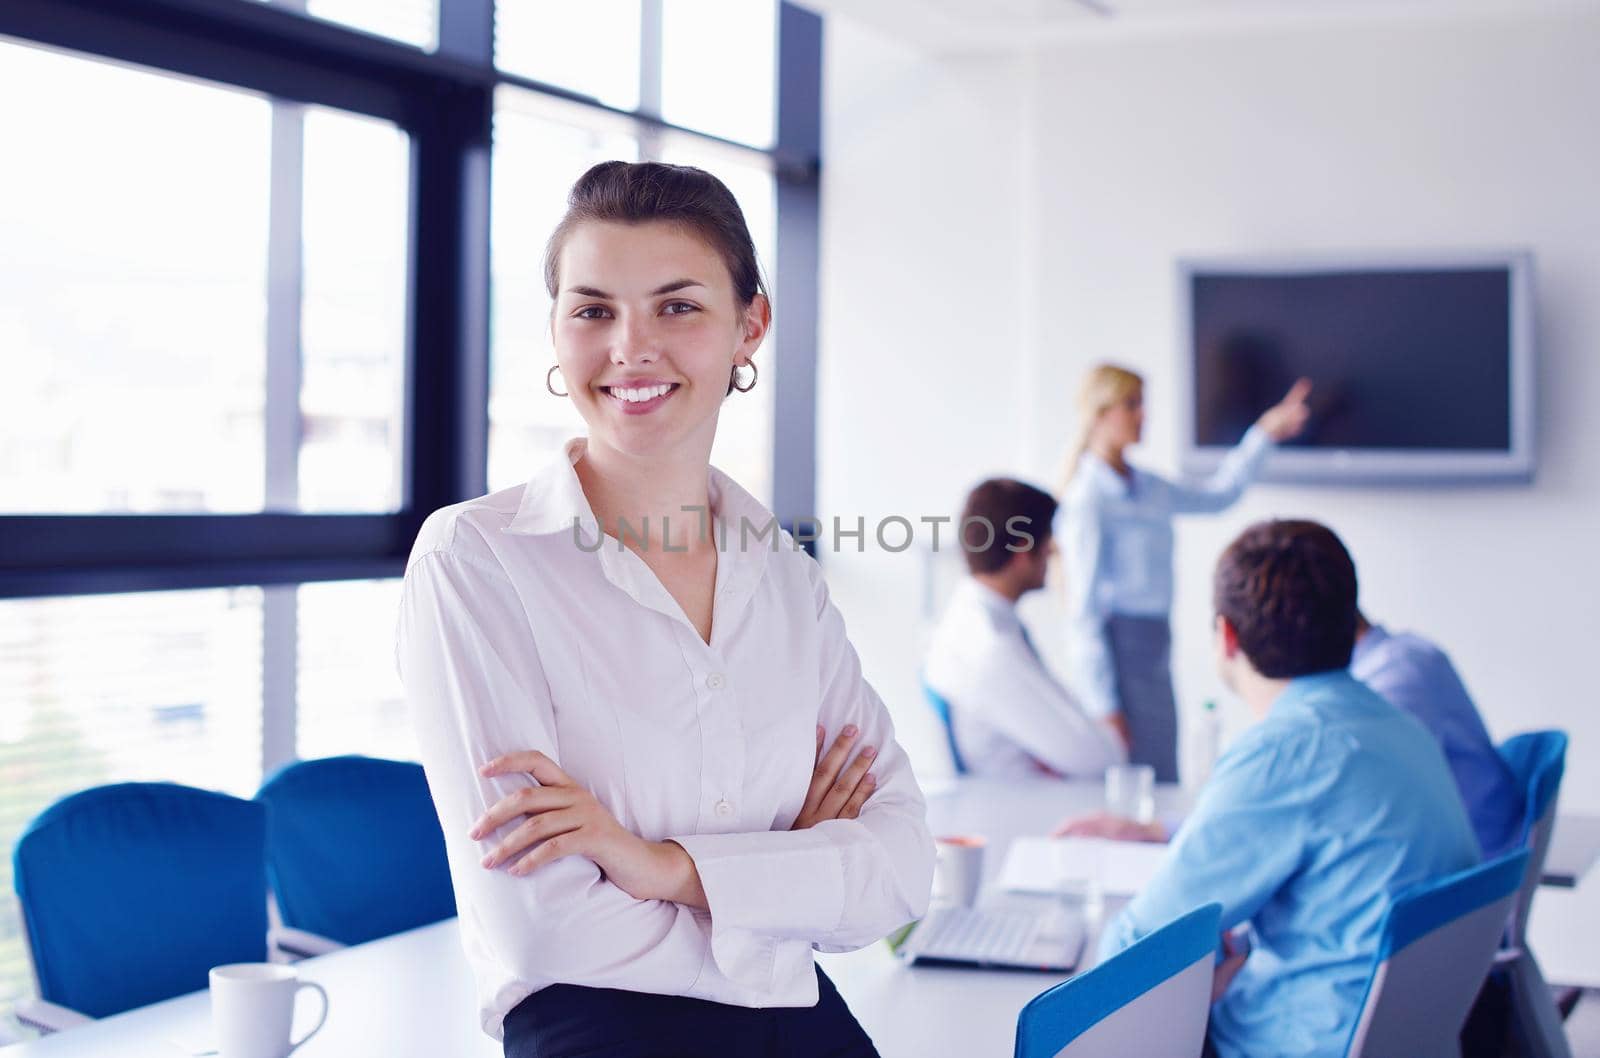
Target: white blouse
[{"x": 517, "y": 632}]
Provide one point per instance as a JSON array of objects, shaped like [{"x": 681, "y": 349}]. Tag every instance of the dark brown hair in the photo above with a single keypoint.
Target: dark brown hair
[
  {"x": 999, "y": 515},
  {"x": 1289, "y": 590},
  {"x": 636, "y": 192}
]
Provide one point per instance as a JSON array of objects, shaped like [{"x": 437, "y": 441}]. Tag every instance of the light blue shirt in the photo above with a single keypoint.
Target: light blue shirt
[
  {"x": 1313, "y": 820},
  {"x": 1115, "y": 535},
  {"x": 1417, "y": 676}
]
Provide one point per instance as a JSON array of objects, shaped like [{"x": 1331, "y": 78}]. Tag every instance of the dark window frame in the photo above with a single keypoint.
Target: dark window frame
[{"x": 445, "y": 101}]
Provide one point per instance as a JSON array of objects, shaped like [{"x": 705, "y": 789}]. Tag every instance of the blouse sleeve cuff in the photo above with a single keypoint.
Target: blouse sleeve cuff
[
  {"x": 762, "y": 889},
  {"x": 784, "y": 883},
  {"x": 1256, "y": 440}
]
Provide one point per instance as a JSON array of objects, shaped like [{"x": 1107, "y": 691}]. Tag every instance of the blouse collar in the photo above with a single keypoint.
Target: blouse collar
[
  {"x": 553, "y": 502},
  {"x": 1105, "y": 478}
]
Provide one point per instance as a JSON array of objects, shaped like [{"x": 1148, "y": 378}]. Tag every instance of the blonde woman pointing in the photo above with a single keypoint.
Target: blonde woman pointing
[{"x": 1115, "y": 533}]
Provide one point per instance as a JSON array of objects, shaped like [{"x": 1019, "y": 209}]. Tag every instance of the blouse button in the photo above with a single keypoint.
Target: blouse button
[
  {"x": 724, "y": 808},
  {"x": 716, "y": 681}
]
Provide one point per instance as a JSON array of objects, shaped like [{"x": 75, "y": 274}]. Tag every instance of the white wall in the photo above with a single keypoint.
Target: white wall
[
  {"x": 994, "y": 225},
  {"x": 1416, "y": 133},
  {"x": 921, "y": 321}
]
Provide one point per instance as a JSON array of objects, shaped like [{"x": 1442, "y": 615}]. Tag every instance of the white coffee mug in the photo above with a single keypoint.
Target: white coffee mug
[
  {"x": 252, "y": 1009},
  {"x": 957, "y": 869}
]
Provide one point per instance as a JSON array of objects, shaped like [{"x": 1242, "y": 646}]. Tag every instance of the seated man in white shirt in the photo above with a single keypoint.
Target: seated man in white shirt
[{"x": 1009, "y": 715}]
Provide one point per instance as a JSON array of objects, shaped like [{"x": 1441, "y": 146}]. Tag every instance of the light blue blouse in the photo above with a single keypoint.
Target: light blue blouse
[
  {"x": 1313, "y": 820},
  {"x": 1115, "y": 535}
]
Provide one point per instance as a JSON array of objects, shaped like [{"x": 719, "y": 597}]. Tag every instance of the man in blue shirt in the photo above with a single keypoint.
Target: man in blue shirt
[
  {"x": 1314, "y": 819},
  {"x": 1417, "y": 676}
]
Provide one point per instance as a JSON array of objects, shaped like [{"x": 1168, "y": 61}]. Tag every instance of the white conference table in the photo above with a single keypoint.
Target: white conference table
[
  {"x": 411, "y": 995},
  {"x": 1574, "y": 847}
]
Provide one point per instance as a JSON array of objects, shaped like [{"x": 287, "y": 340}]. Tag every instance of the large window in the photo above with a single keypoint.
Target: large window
[
  {"x": 348, "y": 697},
  {"x": 592, "y": 49},
  {"x": 709, "y": 46},
  {"x": 271, "y": 292},
  {"x": 132, "y": 289},
  {"x": 152, "y": 257},
  {"x": 352, "y": 327}
]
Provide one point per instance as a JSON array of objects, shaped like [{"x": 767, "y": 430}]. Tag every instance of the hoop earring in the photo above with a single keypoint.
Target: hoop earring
[
  {"x": 734, "y": 378},
  {"x": 547, "y": 375}
]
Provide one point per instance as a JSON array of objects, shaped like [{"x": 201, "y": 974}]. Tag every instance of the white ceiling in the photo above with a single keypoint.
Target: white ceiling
[{"x": 1012, "y": 25}]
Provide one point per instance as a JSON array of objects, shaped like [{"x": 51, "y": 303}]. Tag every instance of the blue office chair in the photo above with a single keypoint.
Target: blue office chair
[
  {"x": 1437, "y": 946},
  {"x": 1538, "y": 760},
  {"x": 941, "y": 709},
  {"x": 354, "y": 849},
  {"x": 1151, "y": 999},
  {"x": 131, "y": 893}
]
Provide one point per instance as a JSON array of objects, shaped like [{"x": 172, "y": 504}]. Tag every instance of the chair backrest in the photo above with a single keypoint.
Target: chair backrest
[
  {"x": 941, "y": 709},
  {"x": 1538, "y": 760},
  {"x": 1437, "y": 943},
  {"x": 131, "y": 893},
  {"x": 354, "y": 849},
  {"x": 1151, "y": 999}
]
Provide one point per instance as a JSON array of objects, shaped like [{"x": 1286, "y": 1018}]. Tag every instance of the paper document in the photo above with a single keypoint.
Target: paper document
[{"x": 1071, "y": 865}]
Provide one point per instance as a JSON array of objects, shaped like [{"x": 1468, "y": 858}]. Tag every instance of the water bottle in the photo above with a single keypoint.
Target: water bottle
[{"x": 1205, "y": 743}]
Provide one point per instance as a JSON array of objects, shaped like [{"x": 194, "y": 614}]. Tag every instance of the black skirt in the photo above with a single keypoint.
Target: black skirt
[{"x": 571, "y": 1021}]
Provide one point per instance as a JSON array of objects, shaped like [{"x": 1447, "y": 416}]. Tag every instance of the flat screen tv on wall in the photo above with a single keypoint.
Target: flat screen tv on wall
[{"x": 1423, "y": 367}]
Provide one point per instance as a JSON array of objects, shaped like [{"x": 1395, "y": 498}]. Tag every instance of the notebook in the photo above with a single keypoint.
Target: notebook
[{"x": 1067, "y": 865}]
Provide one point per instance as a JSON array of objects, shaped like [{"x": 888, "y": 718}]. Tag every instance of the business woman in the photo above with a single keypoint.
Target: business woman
[
  {"x": 1115, "y": 533},
  {"x": 623, "y": 680}
]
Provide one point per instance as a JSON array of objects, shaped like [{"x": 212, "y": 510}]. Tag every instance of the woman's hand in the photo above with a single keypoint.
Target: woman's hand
[
  {"x": 1106, "y": 825},
  {"x": 1287, "y": 418},
  {"x": 561, "y": 818},
  {"x": 837, "y": 791}
]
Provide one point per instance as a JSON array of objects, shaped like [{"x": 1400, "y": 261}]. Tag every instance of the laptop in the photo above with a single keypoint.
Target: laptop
[{"x": 1046, "y": 938}]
